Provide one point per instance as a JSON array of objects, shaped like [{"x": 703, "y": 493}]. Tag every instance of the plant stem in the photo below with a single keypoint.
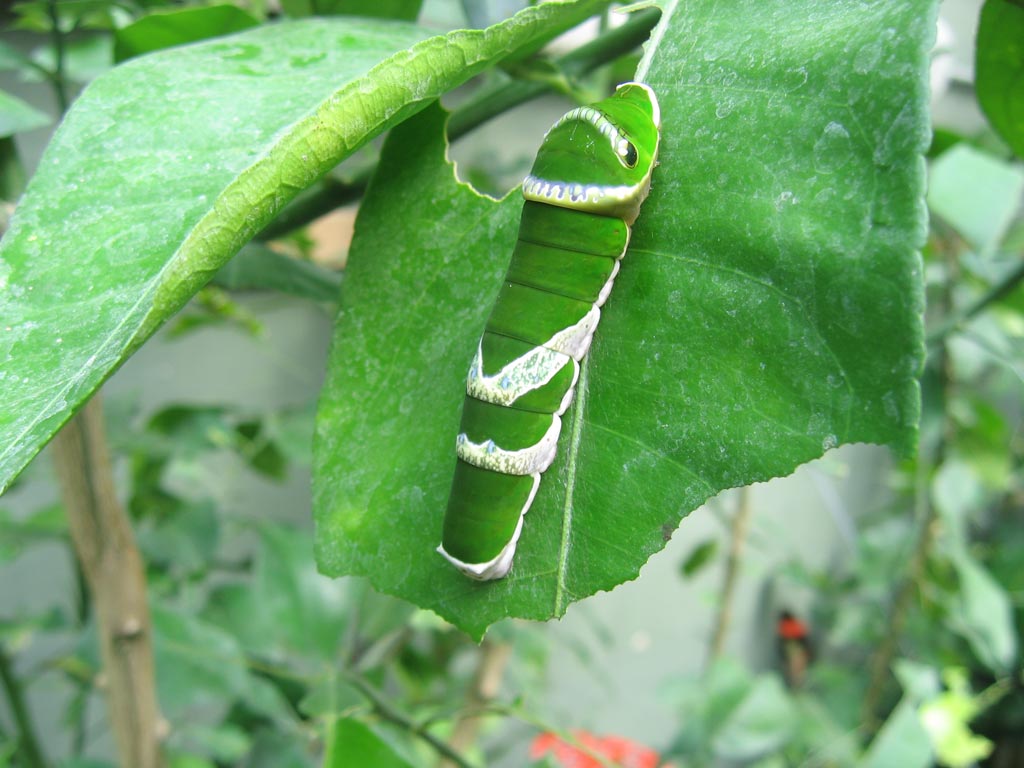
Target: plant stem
[
  {"x": 738, "y": 536},
  {"x": 57, "y": 76},
  {"x": 84, "y": 687},
  {"x": 483, "y": 106},
  {"x": 28, "y": 745},
  {"x": 386, "y": 711},
  {"x": 113, "y": 568},
  {"x": 483, "y": 690},
  {"x": 1002, "y": 288},
  {"x": 925, "y": 514},
  {"x": 608, "y": 46}
]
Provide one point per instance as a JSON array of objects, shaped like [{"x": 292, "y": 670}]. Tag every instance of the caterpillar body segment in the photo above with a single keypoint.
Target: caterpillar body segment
[{"x": 583, "y": 193}]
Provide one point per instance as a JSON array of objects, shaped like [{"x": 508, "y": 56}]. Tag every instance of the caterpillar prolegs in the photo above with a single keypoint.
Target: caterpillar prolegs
[{"x": 592, "y": 172}]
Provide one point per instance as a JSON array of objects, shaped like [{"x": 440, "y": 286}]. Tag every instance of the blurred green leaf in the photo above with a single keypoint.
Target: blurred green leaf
[
  {"x": 947, "y": 717},
  {"x": 331, "y": 696},
  {"x": 351, "y": 744},
  {"x": 183, "y": 541},
  {"x": 17, "y": 115},
  {"x": 11, "y": 57},
  {"x": 292, "y": 431},
  {"x": 920, "y": 682},
  {"x": 273, "y": 749},
  {"x": 18, "y": 533},
  {"x": 225, "y": 743},
  {"x": 701, "y": 555},
  {"x": 202, "y": 671},
  {"x": 288, "y": 610},
  {"x": 704, "y": 703},
  {"x": 170, "y": 27},
  {"x": 212, "y": 306},
  {"x": 189, "y": 761},
  {"x": 983, "y": 613},
  {"x": 260, "y": 452},
  {"x": 257, "y": 267},
  {"x": 999, "y": 69},
  {"x": 768, "y": 310},
  {"x": 977, "y": 194},
  {"x": 901, "y": 743},
  {"x": 958, "y": 496},
  {"x": 761, "y": 724}
]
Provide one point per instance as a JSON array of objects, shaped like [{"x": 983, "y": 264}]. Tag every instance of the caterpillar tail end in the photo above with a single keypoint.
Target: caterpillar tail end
[{"x": 495, "y": 568}]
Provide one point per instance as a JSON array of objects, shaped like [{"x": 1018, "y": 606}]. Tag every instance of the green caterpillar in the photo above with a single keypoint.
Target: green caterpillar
[{"x": 584, "y": 192}]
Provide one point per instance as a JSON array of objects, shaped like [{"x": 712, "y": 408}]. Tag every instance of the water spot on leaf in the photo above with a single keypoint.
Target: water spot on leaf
[
  {"x": 832, "y": 150},
  {"x": 795, "y": 78}
]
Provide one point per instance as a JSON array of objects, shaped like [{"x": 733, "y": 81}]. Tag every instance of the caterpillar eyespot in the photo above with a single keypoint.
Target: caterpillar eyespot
[
  {"x": 582, "y": 196},
  {"x": 630, "y": 156}
]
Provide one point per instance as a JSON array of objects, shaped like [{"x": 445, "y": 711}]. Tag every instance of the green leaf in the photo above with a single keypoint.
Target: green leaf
[
  {"x": 170, "y": 163},
  {"x": 947, "y": 718},
  {"x": 183, "y": 542},
  {"x": 201, "y": 672},
  {"x": 44, "y": 525},
  {"x": 168, "y": 28},
  {"x": 999, "y": 69},
  {"x": 902, "y": 741},
  {"x": 256, "y": 267},
  {"x": 760, "y": 725},
  {"x": 701, "y": 555},
  {"x": 17, "y": 115},
  {"x": 768, "y": 309},
  {"x": 352, "y": 744},
  {"x": 274, "y": 749},
  {"x": 983, "y": 613},
  {"x": 976, "y": 194},
  {"x": 288, "y": 609}
]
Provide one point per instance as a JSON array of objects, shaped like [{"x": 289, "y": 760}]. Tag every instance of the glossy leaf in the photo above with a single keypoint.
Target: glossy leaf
[
  {"x": 768, "y": 310},
  {"x": 999, "y": 69},
  {"x": 170, "y": 163},
  {"x": 176, "y": 27}
]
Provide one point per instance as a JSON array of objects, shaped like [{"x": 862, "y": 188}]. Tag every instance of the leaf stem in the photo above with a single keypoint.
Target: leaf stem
[
  {"x": 1002, "y": 288},
  {"x": 387, "y": 711},
  {"x": 490, "y": 102},
  {"x": 924, "y": 513},
  {"x": 737, "y": 539},
  {"x": 493, "y": 657},
  {"x": 56, "y": 77},
  {"x": 28, "y": 745}
]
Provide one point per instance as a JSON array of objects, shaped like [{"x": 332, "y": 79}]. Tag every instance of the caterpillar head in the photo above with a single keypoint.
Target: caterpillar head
[{"x": 599, "y": 158}]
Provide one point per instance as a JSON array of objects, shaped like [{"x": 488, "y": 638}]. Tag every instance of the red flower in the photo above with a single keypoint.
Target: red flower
[{"x": 620, "y": 752}]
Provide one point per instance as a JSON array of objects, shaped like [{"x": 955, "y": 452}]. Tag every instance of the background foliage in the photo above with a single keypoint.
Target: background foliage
[{"x": 259, "y": 660}]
